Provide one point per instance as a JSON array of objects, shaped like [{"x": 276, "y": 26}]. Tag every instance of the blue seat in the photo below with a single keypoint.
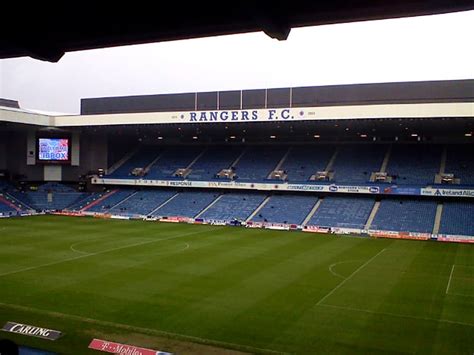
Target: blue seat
[
  {"x": 343, "y": 212},
  {"x": 405, "y": 216},
  {"x": 187, "y": 204},
  {"x": 290, "y": 209},
  {"x": 234, "y": 206},
  {"x": 457, "y": 218}
]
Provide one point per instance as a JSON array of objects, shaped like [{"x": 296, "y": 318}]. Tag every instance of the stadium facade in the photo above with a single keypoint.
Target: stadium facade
[{"x": 388, "y": 160}]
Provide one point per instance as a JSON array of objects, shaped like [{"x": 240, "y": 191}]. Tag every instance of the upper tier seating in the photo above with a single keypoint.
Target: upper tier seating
[
  {"x": 141, "y": 159},
  {"x": 460, "y": 162},
  {"x": 304, "y": 161},
  {"x": 457, "y": 218},
  {"x": 186, "y": 204},
  {"x": 170, "y": 160},
  {"x": 214, "y": 160},
  {"x": 290, "y": 209},
  {"x": 233, "y": 206},
  {"x": 142, "y": 202},
  {"x": 405, "y": 216},
  {"x": 257, "y": 162},
  {"x": 355, "y": 163},
  {"x": 414, "y": 164},
  {"x": 343, "y": 212}
]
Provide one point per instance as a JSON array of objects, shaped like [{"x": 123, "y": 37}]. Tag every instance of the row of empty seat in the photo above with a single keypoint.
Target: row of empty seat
[
  {"x": 406, "y": 215},
  {"x": 409, "y": 164},
  {"x": 409, "y": 215}
]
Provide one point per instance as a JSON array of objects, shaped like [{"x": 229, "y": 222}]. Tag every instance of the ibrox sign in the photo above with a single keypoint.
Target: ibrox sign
[{"x": 31, "y": 330}]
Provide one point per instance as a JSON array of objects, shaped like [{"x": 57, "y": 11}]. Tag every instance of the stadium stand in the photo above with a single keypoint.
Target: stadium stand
[
  {"x": 233, "y": 206},
  {"x": 55, "y": 187},
  {"x": 355, "y": 163},
  {"x": 84, "y": 202},
  {"x": 304, "y": 161},
  {"x": 171, "y": 159},
  {"x": 212, "y": 161},
  {"x": 258, "y": 161},
  {"x": 343, "y": 212},
  {"x": 6, "y": 209},
  {"x": 47, "y": 197},
  {"x": 289, "y": 209},
  {"x": 415, "y": 164},
  {"x": 56, "y": 201},
  {"x": 460, "y": 162},
  {"x": 186, "y": 204},
  {"x": 405, "y": 216},
  {"x": 457, "y": 218},
  {"x": 141, "y": 159},
  {"x": 110, "y": 201},
  {"x": 142, "y": 202}
]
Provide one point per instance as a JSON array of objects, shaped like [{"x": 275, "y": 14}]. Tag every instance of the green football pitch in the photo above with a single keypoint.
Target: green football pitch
[{"x": 193, "y": 289}]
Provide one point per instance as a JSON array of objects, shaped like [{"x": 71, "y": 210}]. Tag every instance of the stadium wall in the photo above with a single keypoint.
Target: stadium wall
[
  {"x": 3, "y": 154},
  {"x": 17, "y": 157}
]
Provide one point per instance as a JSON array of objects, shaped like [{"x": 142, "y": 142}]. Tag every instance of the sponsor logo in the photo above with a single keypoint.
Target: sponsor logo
[
  {"x": 374, "y": 189},
  {"x": 31, "y": 330},
  {"x": 180, "y": 183},
  {"x": 122, "y": 349},
  {"x": 447, "y": 192},
  {"x": 333, "y": 188}
]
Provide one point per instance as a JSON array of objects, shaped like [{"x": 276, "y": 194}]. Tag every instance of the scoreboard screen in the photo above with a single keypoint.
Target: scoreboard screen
[{"x": 54, "y": 149}]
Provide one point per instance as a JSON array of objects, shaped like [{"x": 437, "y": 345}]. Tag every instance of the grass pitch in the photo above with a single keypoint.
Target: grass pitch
[{"x": 204, "y": 289}]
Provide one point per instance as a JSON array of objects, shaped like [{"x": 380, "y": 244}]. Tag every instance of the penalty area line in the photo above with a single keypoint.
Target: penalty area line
[{"x": 396, "y": 315}]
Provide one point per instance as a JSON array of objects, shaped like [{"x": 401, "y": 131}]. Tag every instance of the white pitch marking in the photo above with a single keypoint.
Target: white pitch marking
[
  {"x": 142, "y": 330},
  {"x": 72, "y": 247},
  {"x": 175, "y": 251},
  {"x": 98, "y": 253},
  {"x": 349, "y": 277},
  {"x": 450, "y": 277},
  {"x": 396, "y": 315},
  {"x": 341, "y": 262}
]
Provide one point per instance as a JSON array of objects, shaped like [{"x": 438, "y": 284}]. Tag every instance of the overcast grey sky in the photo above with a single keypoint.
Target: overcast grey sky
[{"x": 411, "y": 49}]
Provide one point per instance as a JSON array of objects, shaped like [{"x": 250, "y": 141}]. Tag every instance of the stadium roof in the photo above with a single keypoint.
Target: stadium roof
[
  {"x": 437, "y": 99},
  {"x": 46, "y": 31}
]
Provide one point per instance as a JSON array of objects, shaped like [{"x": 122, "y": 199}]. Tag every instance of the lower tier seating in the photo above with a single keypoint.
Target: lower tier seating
[
  {"x": 290, "y": 209},
  {"x": 234, "y": 206},
  {"x": 186, "y": 204},
  {"x": 457, "y": 218},
  {"x": 343, "y": 212},
  {"x": 405, "y": 216}
]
